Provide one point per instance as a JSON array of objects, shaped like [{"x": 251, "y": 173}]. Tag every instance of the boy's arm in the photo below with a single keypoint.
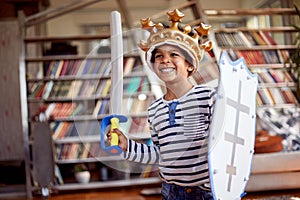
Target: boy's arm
[
  {"x": 137, "y": 152},
  {"x": 142, "y": 153}
]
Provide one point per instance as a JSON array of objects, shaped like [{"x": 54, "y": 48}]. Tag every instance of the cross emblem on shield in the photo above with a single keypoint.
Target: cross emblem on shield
[{"x": 232, "y": 131}]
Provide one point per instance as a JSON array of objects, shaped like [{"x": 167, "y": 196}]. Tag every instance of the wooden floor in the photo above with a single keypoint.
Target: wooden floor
[{"x": 135, "y": 194}]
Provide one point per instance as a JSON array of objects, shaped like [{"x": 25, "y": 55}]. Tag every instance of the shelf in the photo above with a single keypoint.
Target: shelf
[
  {"x": 262, "y": 47},
  {"x": 269, "y": 66},
  {"x": 267, "y": 29},
  {"x": 78, "y": 139},
  {"x": 66, "y": 38},
  {"x": 286, "y": 84},
  {"x": 66, "y": 57},
  {"x": 90, "y": 160},
  {"x": 83, "y": 77},
  {"x": 44, "y": 39},
  {"x": 251, "y": 11},
  {"x": 278, "y": 106},
  {"x": 108, "y": 184}
]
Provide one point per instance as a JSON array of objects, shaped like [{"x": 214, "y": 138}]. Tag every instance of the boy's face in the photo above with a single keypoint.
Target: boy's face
[{"x": 170, "y": 64}]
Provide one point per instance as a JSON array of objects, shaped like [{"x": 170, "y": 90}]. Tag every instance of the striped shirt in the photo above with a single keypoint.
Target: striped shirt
[{"x": 179, "y": 131}]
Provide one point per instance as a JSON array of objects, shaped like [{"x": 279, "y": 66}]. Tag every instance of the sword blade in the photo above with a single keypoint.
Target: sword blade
[{"x": 116, "y": 94}]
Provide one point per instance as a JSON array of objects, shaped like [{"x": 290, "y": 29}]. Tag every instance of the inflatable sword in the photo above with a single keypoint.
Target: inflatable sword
[{"x": 116, "y": 94}]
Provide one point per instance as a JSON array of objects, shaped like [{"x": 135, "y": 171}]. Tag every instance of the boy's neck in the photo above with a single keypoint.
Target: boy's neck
[{"x": 177, "y": 92}]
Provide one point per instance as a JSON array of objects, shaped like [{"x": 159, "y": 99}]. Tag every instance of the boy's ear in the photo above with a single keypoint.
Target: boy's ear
[{"x": 190, "y": 68}]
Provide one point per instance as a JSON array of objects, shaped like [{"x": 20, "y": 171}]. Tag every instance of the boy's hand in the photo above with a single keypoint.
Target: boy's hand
[{"x": 122, "y": 139}]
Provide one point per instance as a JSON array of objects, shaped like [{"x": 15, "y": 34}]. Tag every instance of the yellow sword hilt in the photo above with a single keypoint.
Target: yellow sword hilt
[{"x": 114, "y": 123}]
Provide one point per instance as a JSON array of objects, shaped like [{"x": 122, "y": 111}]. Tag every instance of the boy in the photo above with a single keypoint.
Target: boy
[{"x": 179, "y": 121}]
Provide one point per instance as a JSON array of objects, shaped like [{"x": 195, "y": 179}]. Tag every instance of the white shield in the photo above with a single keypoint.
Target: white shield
[{"x": 232, "y": 132}]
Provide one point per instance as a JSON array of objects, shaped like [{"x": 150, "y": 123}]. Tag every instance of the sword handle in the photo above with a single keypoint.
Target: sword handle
[
  {"x": 113, "y": 121},
  {"x": 114, "y": 136}
]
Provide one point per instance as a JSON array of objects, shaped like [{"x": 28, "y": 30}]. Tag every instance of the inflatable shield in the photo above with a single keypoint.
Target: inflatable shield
[{"x": 232, "y": 131}]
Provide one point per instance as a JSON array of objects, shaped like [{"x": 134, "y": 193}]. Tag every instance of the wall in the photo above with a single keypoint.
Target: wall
[{"x": 11, "y": 133}]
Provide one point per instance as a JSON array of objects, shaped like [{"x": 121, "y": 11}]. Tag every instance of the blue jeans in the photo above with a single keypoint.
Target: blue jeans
[{"x": 175, "y": 192}]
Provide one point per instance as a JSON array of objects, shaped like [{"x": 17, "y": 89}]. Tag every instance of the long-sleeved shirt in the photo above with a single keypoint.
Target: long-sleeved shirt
[{"x": 179, "y": 131}]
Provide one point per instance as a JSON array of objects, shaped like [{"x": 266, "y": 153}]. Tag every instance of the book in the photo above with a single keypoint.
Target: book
[
  {"x": 288, "y": 95},
  {"x": 54, "y": 69},
  {"x": 81, "y": 66},
  {"x": 265, "y": 96},
  {"x": 55, "y": 90},
  {"x": 49, "y": 110},
  {"x": 79, "y": 110},
  {"x": 74, "y": 88},
  {"x": 106, "y": 88},
  {"x": 50, "y": 68},
  {"x": 65, "y": 68},
  {"x": 128, "y": 65},
  {"x": 267, "y": 37},
  {"x": 58, "y": 175},
  {"x": 259, "y": 100},
  {"x": 59, "y": 68},
  {"x": 104, "y": 109},
  {"x": 265, "y": 76},
  {"x": 259, "y": 40},
  {"x": 93, "y": 128},
  {"x": 64, "y": 89},
  {"x": 47, "y": 90},
  {"x": 87, "y": 66},
  {"x": 97, "y": 107},
  {"x": 277, "y": 75},
  {"x": 246, "y": 42},
  {"x": 133, "y": 85},
  {"x": 277, "y": 96},
  {"x": 56, "y": 130},
  {"x": 97, "y": 67},
  {"x": 36, "y": 87},
  {"x": 86, "y": 150},
  {"x": 105, "y": 67},
  {"x": 73, "y": 70},
  {"x": 40, "y": 92}
]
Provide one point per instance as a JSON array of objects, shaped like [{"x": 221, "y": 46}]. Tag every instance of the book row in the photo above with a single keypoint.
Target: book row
[
  {"x": 261, "y": 56},
  {"x": 57, "y": 110},
  {"x": 60, "y": 68},
  {"x": 85, "y": 88},
  {"x": 276, "y": 96},
  {"x": 244, "y": 39},
  {"x": 274, "y": 76}
]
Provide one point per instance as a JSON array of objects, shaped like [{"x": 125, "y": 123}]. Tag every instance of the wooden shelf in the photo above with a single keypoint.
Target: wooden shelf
[
  {"x": 262, "y": 47},
  {"x": 108, "y": 184},
  {"x": 254, "y": 11},
  {"x": 269, "y": 29},
  {"x": 90, "y": 160},
  {"x": 65, "y": 38},
  {"x": 285, "y": 84}
]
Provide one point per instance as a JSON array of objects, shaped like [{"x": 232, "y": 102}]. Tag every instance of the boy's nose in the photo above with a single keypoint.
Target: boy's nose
[{"x": 166, "y": 59}]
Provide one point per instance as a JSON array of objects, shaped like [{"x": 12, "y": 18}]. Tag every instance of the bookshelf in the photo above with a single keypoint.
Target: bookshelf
[
  {"x": 263, "y": 37},
  {"x": 71, "y": 94}
]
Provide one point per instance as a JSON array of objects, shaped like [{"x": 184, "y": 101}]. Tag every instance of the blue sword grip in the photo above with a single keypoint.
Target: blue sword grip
[{"x": 115, "y": 149}]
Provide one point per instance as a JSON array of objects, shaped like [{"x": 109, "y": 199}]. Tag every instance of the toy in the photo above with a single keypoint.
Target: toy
[{"x": 116, "y": 87}]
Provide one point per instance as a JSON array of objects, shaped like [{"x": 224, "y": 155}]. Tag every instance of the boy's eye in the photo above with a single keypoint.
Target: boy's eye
[
  {"x": 158, "y": 56},
  {"x": 174, "y": 54}
]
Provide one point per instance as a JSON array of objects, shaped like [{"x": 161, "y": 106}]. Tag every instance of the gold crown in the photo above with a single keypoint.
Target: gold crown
[{"x": 186, "y": 37}]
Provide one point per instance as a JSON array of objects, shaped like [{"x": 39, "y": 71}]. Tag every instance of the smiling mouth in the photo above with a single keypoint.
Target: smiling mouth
[{"x": 166, "y": 70}]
